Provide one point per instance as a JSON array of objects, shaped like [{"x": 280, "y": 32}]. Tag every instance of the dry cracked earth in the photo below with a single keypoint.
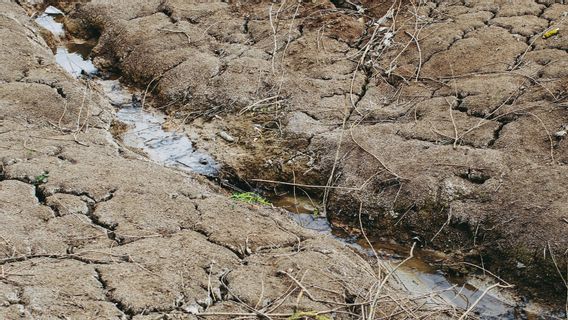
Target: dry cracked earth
[
  {"x": 444, "y": 121},
  {"x": 91, "y": 230}
]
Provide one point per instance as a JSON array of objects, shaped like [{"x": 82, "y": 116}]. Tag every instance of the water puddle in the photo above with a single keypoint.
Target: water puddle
[
  {"x": 417, "y": 275},
  {"x": 304, "y": 211},
  {"x": 146, "y": 131},
  {"x": 74, "y": 56},
  {"x": 50, "y": 19},
  {"x": 166, "y": 147}
]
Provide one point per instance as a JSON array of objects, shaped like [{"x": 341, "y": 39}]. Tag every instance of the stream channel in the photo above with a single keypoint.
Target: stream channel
[{"x": 146, "y": 132}]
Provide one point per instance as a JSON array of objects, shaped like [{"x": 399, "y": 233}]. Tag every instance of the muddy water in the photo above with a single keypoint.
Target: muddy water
[
  {"x": 147, "y": 132},
  {"x": 169, "y": 148},
  {"x": 418, "y": 275},
  {"x": 49, "y": 19},
  {"x": 73, "y": 57}
]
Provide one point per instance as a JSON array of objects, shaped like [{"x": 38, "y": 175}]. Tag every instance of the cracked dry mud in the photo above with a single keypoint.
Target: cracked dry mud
[
  {"x": 455, "y": 118},
  {"x": 91, "y": 230}
]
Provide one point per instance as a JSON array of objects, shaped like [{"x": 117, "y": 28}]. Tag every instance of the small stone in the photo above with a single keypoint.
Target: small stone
[
  {"x": 12, "y": 297},
  {"x": 216, "y": 292},
  {"x": 324, "y": 251},
  {"x": 53, "y": 11},
  {"x": 560, "y": 134},
  {"x": 179, "y": 301},
  {"x": 22, "y": 310},
  {"x": 227, "y": 137},
  {"x": 12, "y": 161},
  {"x": 192, "y": 308},
  {"x": 205, "y": 302}
]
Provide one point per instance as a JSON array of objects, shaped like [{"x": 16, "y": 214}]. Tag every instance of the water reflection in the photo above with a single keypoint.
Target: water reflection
[{"x": 145, "y": 129}]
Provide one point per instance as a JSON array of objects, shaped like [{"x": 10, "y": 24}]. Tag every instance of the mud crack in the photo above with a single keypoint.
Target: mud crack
[{"x": 109, "y": 297}]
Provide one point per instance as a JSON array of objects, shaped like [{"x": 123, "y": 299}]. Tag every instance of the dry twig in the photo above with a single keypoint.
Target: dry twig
[
  {"x": 444, "y": 225},
  {"x": 497, "y": 285}
]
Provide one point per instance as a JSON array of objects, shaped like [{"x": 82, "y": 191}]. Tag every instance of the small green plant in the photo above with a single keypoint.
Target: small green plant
[
  {"x": 250, "y": 197},
  {"x": 316, "y": 213},
  {"x": 308, "y": 315},
  {"x": 42, "y": 178}
]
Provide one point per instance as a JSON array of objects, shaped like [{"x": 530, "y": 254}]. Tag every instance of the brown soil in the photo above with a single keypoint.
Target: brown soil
[
  {"x": 91, "y": 230},
  {"x": 454, "y": 116}
]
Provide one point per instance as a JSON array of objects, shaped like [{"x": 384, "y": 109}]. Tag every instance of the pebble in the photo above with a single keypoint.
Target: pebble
[
  {"x": 227, "y": 137},
  {"x": 217, "y": 294},
  {"x": 560, "y": 134},
  {"x": 192, "y": 308},
  {"x": 53, "y": 11}
]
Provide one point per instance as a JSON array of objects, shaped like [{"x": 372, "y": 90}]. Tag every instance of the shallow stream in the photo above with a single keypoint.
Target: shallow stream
[{"x": 147, "y": 132}]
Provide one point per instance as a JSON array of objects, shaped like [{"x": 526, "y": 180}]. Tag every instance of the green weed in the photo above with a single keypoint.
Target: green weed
[
  {"x": 308, "y": 315},
  {"x": 250, "y": 197},
  {"x": 42, "y": 178}
]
